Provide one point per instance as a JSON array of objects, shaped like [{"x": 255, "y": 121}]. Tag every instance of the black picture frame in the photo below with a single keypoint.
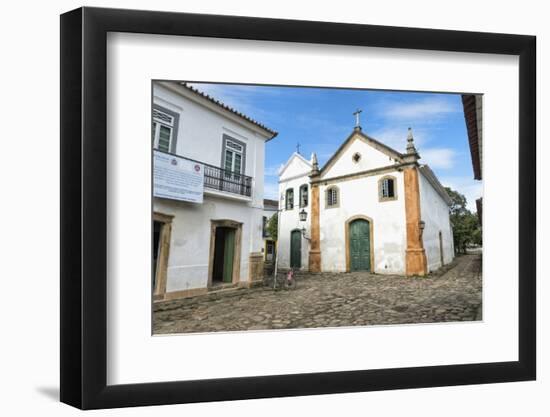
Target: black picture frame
[{"x": 84, "y": 207}]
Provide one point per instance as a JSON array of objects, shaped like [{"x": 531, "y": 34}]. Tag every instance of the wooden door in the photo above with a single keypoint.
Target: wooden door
[
  {"x": 228, "y": 255},
  {"x": 359, "y": 245},
  {"x": 295, "y": 249}
]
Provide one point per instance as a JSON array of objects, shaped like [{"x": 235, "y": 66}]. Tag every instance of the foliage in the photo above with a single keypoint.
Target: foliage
[
  {"x": 272, "y": 224},
  {"x": 466, "y": 227}
]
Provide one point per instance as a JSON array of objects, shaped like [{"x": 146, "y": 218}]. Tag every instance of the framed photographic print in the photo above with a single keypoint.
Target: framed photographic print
[{"x": 257, "y": 208}]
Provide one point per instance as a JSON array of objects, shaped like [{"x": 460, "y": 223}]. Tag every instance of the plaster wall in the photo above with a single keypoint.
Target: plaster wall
[{"x": 434, "y": 212}]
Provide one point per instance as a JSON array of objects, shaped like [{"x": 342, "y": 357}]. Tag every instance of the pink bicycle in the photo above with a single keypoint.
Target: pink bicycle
[{"x": 285, "y": 281}]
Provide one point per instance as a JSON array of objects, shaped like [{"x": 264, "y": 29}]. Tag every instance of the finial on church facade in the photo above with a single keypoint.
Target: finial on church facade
[
  {"x": 314, "y": 164},
  {"x": 410, "y": 143}
]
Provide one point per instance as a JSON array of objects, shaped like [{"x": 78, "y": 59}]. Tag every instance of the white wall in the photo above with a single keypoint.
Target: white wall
[
  {"x": 435, "y": 213},
  {"x": 295, "y": 175},
  {"x": 190, "y": 239},
  {"x": 371, "y": 158},
  {"x": 200, "y": 125},
  {"x": 360, "y": 197}
]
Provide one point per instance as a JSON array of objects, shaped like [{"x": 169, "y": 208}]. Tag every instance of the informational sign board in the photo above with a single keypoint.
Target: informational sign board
[{"x": 177, "y": 178}]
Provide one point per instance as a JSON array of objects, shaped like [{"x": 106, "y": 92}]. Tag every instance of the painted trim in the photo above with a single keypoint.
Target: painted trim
[
  {"x": 159, "y": 291},
  {"x": 362, "y": 174},
  {"x": 379, "y": 146},
  {"x": 371, "y": 238},
  {"x": 381, "y": 198},
  {"x": 176, "y": 116},
  {"x": 338, "y": 197},
  {"x": 314, "y": 258},
  {"x": 225, "y": 138},
  {"x": 293, "y": 199},
  {"x": 415, "y": 255},
  {"x": 214, "y": 224}
]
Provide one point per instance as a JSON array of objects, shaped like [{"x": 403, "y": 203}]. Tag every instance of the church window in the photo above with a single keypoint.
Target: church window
[
  {"x": 289, "y": 202},
  {"x": 387, "y": 189},
  {"x": 303, "y": 195},
  {"x": 356, "y": 157},
  {"x": 333, "y": 199}
]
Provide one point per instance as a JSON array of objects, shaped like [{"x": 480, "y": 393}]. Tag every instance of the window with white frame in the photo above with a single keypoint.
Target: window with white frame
[
  {"x": 164, "y": 130},
  {"x": 234, "y": 157},
  {"x": 332, "y": 197},
  {"x": 289, "y": 203},
  {"x": 386, "y": 188},
  {"x": 303, "y": 195}
]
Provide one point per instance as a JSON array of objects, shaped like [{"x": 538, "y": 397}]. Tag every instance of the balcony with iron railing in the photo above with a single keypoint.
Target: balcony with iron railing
[{"x": 222, "y": 180}]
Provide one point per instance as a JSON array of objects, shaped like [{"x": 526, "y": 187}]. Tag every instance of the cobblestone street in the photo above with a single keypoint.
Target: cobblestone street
[{"x": 331, "y": 300}]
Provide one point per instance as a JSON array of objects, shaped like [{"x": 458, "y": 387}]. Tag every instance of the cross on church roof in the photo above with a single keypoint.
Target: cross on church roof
[
  {"x": 298, "y": 148},
  {"x": 356, "y": 113}
]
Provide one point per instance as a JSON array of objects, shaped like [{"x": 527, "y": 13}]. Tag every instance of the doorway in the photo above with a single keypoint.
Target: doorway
[
  {"x": 160, "y": 248},
  {"x": 224, "y": 255},
  {"x": 157, "y": 229},
  {"x": 224, "y": 265},
  {"x": 359, "y": 245},
  {"x": 296, "y": 249}
]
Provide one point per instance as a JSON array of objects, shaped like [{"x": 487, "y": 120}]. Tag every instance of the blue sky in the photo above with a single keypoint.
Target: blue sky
[{"x": 320, "y": 119}]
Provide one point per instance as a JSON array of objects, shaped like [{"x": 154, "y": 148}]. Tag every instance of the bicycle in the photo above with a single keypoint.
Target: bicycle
[{"x": 285, "y": 281}]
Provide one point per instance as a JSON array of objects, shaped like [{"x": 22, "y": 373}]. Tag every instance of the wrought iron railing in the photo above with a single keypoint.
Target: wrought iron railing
[{"x": 216, "y": 178}]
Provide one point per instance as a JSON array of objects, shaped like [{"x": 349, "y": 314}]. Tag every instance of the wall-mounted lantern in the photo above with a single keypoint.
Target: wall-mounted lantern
[{"x": 421, "y": 225}]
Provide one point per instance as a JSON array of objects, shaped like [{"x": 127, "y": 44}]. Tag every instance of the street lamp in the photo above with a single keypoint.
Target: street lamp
[{"x": 303, "y": 218}]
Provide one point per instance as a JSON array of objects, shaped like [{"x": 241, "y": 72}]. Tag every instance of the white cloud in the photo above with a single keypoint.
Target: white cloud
[
  {"x": 419, "y": 109},
  {"x": 442, "y": 158},
  {"x": 396, "y": 137},
  {"x": 273, "y": 170},
  {"x": 470, "y": 188}
]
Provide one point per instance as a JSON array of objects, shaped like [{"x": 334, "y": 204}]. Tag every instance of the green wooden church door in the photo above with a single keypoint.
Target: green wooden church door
[
  {"x": 359, "y": 245},
  {"x": 295, "y": 249}
]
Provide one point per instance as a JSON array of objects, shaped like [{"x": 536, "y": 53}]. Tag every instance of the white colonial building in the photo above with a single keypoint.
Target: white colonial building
[
  {"x": 216, "y": 243},
  {"x": 369, "y": 208}
]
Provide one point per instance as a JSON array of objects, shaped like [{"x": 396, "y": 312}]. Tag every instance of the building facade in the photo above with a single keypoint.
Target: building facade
[
  {"x": 198, "y": 247},
  {"x": 369, "y": 208},
  {"x": 270, "y": 209}
]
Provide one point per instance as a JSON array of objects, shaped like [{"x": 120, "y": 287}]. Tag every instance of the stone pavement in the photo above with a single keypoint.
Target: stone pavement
[{"x": 331, "y": 300}]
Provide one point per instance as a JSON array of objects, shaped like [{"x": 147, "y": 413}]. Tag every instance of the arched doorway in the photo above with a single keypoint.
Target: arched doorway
[
  {"x": 296, "y": 249},
  {"x": 359, "y": 244}
]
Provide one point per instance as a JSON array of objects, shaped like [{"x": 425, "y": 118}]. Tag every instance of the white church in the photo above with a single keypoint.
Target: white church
[{"x": 369, "y": 208}]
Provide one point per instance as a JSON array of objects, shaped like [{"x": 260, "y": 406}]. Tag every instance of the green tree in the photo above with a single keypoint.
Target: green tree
[
  {"x": 272, "y": 226},
  {"x": 466, "y": 227}
]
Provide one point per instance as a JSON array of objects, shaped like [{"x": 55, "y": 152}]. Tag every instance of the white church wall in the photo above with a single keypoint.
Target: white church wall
[
  {"x": 435, "y": 213},
  {"x": 360, "y": 197},
  {"x": 190, "y": 238},
  {"x": 290, "y": 219},
  {"x": 371, "y": 158}
]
